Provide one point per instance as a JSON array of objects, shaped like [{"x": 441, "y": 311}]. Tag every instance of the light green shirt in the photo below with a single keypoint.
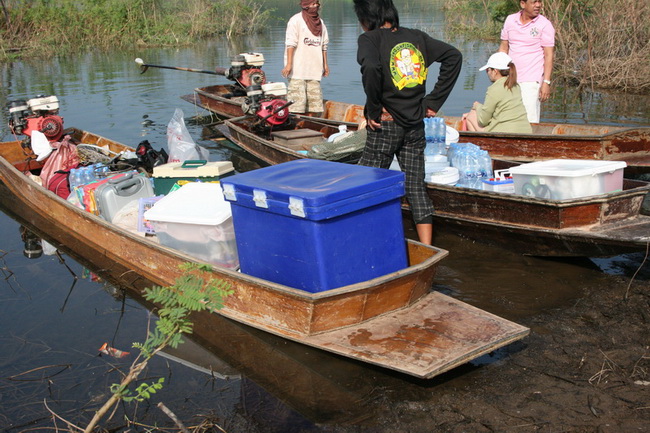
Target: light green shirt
[{"x": 503, "y": 110}]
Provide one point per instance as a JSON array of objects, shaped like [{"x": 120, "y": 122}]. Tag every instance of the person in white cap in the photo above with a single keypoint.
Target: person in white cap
[{"x": 503, "y": 109}]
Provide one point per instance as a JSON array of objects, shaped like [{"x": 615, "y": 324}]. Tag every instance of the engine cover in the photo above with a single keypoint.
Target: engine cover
[
  {"x": 251, "y": 76},
  {"x": 51, "y": 126},
  {"x": 274, "y": 112}
]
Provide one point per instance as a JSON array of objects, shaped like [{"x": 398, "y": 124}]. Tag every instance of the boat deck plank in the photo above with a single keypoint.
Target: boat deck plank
[{"x": 434, "y": 335}]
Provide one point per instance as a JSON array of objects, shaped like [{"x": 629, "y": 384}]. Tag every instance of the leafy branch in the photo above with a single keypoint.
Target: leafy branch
[{"x": 190, "y": 293}]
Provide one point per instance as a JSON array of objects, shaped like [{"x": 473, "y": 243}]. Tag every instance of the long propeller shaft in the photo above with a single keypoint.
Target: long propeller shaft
[{"x": 144, "y": 66}]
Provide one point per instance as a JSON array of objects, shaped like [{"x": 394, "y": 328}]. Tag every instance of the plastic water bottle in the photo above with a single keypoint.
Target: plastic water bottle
[
  {"x": 474, "y": 172},
  {"x": 441, "y": 135},
  {"x": 430, "y": 136},
  {"x": 88, "y": 175},
  {"x": 485, "y": 163},
  {"x": 75, "y": 178},
  {"x": 462, "y": 161}
]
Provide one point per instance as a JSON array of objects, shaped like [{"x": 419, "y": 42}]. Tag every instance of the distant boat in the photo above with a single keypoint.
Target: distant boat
[
  {"x": 393, "y": 321},
  {"x": 548, "y": 140},
  {"x": 602, "y": 225}
]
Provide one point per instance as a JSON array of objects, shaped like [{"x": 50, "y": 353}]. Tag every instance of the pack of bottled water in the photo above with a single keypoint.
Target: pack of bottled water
[
  {"x": 88, "y": 174},
  {"x": 473, "y": 163},
  {"x": 435, "y": 133}
]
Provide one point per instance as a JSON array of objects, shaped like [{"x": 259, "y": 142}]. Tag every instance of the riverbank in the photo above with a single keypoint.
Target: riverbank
[
  {"x": 583, "y": 369},
  {"x": 31, "y": 29}
]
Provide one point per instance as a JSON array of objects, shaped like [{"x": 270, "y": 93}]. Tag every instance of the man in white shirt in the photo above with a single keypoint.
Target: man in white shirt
[{"x": 305, "y": 60}]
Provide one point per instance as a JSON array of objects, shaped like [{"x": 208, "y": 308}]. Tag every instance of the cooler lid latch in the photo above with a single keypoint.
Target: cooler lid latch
[
  {"x": 229, "y": 191},
  {"x": 259, "y": 198},
  {"x": 297, "y": 207}
]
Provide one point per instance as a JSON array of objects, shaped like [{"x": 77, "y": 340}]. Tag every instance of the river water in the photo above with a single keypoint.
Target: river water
[{"x": 55, "y": 312}]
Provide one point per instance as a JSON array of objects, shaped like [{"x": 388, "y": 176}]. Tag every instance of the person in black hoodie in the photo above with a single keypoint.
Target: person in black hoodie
[{"x": 395, "y": 63}]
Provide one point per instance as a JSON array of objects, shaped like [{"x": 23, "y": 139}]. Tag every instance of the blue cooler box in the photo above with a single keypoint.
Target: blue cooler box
[{"x": 317, "y": 225}]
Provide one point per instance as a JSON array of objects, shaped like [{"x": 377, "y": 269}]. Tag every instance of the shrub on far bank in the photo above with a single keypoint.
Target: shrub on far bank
[{"x": 36, "y": 27}]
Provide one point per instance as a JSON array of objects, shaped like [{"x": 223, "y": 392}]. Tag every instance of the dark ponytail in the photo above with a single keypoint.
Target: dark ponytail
[{"x": 511, "y": 73}]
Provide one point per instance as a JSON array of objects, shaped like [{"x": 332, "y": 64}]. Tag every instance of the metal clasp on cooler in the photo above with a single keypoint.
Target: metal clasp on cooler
[
  {"x": 229, "y": 191},
  {"x": 297, "y": 207},
  {"x": 259, "y": 198}
]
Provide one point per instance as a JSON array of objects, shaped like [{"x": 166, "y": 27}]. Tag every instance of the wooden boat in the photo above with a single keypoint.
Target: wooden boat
[
  {"x": 603, "y": 225},
  {"x": 548, "y": 140},
  {"x": 393, "y": 321}
]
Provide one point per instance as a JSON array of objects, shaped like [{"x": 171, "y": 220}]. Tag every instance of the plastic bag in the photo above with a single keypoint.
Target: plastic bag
[
  {"x": 180, "y": 143},
  {"x": 63, "y": 158}
]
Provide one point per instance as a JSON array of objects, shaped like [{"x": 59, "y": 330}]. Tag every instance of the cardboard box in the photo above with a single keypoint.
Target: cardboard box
[{"x": 318, "y": 225}]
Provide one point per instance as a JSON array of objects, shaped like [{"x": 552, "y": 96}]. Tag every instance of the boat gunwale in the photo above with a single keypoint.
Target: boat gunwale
[
  {"x": 617, "y": 130},
  {"x": 642, "y": 188}
]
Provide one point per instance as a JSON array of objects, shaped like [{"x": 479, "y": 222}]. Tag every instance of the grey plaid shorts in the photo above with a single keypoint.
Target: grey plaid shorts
[{"x": 408, "y": 145}]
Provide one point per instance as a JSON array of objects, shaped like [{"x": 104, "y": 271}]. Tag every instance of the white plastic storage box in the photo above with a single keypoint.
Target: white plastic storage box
[
  {"x": 197, "y": 220},
  {"x": 564, "y": 179}
]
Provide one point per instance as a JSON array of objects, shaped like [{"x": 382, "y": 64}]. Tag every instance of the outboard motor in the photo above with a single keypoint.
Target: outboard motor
[
  {"x": 245, "y": 69},
  {"x": 267, "y": 102},
  {"x": 37, "y": 114}
]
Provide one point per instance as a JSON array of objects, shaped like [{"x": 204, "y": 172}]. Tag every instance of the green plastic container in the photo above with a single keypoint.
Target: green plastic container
[{"x": 196, "y": 170}]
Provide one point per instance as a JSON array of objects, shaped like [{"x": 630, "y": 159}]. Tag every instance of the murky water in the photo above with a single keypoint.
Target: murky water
[{"x": 55, "y": 313}]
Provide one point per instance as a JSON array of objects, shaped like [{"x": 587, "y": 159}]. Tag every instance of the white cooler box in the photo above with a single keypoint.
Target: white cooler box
[
  {"x": 197, "y": 220},
  {"x": 564, "y": 179}
]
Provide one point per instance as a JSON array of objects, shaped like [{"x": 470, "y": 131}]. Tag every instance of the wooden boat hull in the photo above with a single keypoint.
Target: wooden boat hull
[
  {"x": 598, "y": 226},
  {"x": 548, "y": 140},
  {"x": 357, "y": 321},
  {"x": 218, "y": 100}
]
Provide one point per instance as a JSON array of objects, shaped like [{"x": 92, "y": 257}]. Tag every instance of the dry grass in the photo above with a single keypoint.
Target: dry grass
[
  {"x": 604, "y": 43},
  {"x": 599, "y": 43}
]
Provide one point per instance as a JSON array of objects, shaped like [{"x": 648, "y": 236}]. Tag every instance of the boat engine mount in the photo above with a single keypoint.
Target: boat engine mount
[{"x": 37, "y": 114}]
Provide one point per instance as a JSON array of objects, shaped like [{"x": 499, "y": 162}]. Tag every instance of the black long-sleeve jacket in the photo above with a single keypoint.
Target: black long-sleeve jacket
[{"x": 394, "y": 69}]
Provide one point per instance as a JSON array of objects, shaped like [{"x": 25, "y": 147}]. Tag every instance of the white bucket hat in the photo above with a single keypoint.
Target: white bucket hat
[{"x": 498, "y": 61}]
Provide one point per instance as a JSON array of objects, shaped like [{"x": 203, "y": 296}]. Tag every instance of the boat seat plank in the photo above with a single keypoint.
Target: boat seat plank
[
  {"x": 566, "y": 129},
  {"x": 434, "y": 335}
]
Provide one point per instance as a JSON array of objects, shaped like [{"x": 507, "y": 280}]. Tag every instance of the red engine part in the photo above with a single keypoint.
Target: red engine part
[
  {"x": 274, "y": 112},
  {"x": 251, "y": 76},
  {"x": 50, "y": 125}
]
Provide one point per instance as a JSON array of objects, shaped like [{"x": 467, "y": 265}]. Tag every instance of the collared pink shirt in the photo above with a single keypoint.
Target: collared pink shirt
[{"x": 526, "y": 44}]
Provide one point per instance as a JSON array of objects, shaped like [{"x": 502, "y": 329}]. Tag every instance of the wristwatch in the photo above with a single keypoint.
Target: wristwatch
[{"x": 548, "y": 82}]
